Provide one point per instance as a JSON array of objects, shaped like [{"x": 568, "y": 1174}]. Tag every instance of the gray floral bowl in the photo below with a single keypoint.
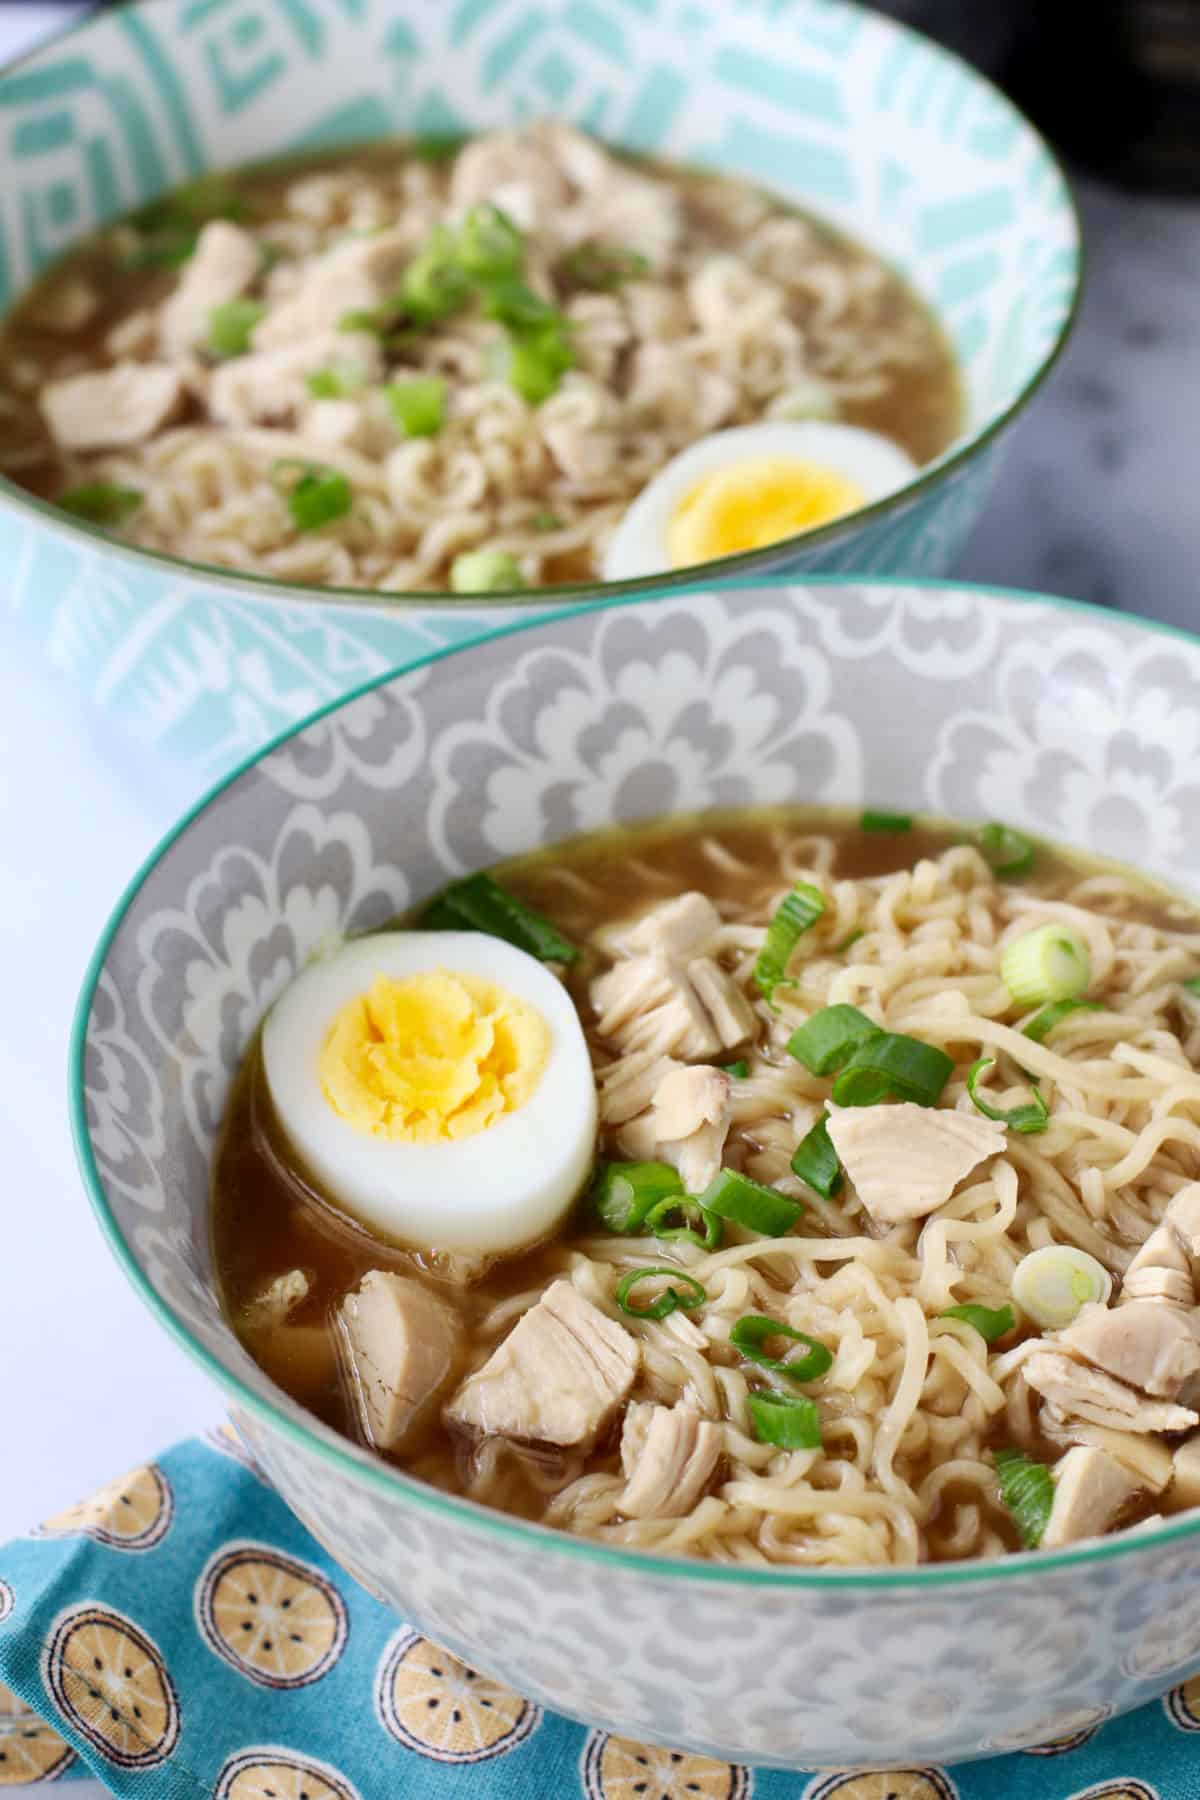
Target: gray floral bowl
[
  {"x": 1063, "y": 720},
  {"x": 833, "y": 105}
]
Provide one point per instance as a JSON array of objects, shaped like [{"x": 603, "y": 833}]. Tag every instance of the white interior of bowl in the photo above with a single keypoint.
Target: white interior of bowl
[
  {"x": 1058, "y": 719},
  {"x": 837, "y": 108}
]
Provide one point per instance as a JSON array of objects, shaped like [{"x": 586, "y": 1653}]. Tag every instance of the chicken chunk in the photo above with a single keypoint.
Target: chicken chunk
[
  {"x": 1145, "y": 1343},
  {"x": 1183, "y": 1216},
  {"x": 905, "y": 1161},
  {"x": 1184, "y": 1490},
  {"x": 732, "y": 1015},
  {"x": 1161, "y": 1270},
  {"x": 277, "y": 1299},
  {"x": 628, "y": 1085},
  {"x": 1146, "y": 1458},
  {"x": 518, "y": 171},
  {"x": 403, "y": 1347},
  {"x": 558, "y": 1377},
  {"x": 680, "y": 928},
  {"x": 269, "y": 385},
  {"x": 1091, "y": 1490},
  {"x": 225, "y": 262},
  {"x": 668, "y": 1455},
  {"x": 690, "y": 1118},
  {"x": 112, "y": 408},
  {"x": 1078, "y": 1390},
  {"x": 352, "y": 277},
  {"x": 648, "y": 1003}
]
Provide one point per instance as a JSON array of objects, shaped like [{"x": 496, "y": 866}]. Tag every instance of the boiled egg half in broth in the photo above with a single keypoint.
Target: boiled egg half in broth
[
  {"x": 437, "y": 1087},
  {"x": 754, "y": 485}
]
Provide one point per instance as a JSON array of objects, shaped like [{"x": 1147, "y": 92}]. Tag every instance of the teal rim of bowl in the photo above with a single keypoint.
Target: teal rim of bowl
[
  {"x": 741, "y": 567},
  {"x": 394, "y": 1482}
]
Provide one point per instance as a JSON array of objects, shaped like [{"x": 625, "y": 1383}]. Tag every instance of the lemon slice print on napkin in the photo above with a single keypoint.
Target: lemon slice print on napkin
[
  {"x": 272, "y": 1773},
  {"x": 438, "y": 1706},
  {"x": 111, "y": 1685},
  {"x": 278, "y": 1621},
  {"x": 131, "y": 1513},
  {"x": 29, "y": 1749},
  {"x": 886, "y": 1784},
  {"x": 617, "y": 1768},
  {"x": 1182, "y": 1705}
]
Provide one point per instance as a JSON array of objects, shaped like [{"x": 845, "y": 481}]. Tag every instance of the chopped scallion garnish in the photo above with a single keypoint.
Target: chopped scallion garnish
[
  {"x": 534, "y": 361},
  {"x": 315, "y": 495},
  {"x": 418, "y": 407},
  {"x": 1006, "y": 852},
  {"x": 603, "y": 265},
  {"x": 1054, "y": 1284},
  {"x": 827, "y": 1040},
  {"x": 815, "y": 1161},
  {"x": 1043, "y": 1023},
  {"x": 489, "y": 244},
  {"x": 990, "y": 1322},
  {"x": 737, "y": 1070},
  {"x": 683, "y": 1296},
  {"x": 1192, "y": 984},
  {"x": 890, "y": 1066},
  {"x": 436, "y": 148},
  {"x": 623, "y": 1194},
  {"x": 545, "y": 521},
  {"x": 796, "y": 913},
  {"x": 1025, "y": 1119},
  {"x": 230, "y": 326},
  {"x": 435, "y": 284},
  {"x": 1027, "y": 1490},
  {"x": 679, "y": 1216},
  {"x": 749, "y": 1203},
  {"x": 100, "y": 502},
  {"x": 1050, "y": 963},
  {"x": 169, "y": 248},
  {"x": 885, "y": 821},
  {"x": 752, "y": 1333},
  {"x": 485, "y": 572},
  {"x": 851, "y": 938},
  {"x": 478, "y": 903},
  {"x": 789, "y": 1420}
]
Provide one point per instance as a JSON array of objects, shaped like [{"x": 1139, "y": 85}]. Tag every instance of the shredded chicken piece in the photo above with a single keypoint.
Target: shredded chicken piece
[
  {"x": 351, "y": 277},
  {"x": 1150, "y": 1344},
  {"x": 403, "y": 1347},
  {"x": 225, "y": 262},
  {"x": 1146, "y": 1457},
  {"x": 690, "y": 1117},
  {"x": 1077, "y": 1389},
  {"x": 628, "y": 1085},
  {"x": 681, "y": 928},
  {"x": 668, "y": 1455},
  {"x": 648, "y": 1003},
  {"x": 1183, "y": 1216},
  {"x": 1185, "y": 1475},
  {"x": 1161, "y": 1270},
  {"x": 516, "y": 170},
  {"x": 906, "y": 1160},
  {"x": 1091, "y": 1490},
  {"x": 277, "y": 1299},
  {"x": 723, "y": 1000},
  {"x": 112, "y": 408},
  {"x": 558, "y": 1377},
  {"x": 267, "y": 386}
]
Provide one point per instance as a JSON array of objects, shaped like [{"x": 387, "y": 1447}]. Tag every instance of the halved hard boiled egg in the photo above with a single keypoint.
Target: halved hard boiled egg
[
  {"x": 437, "y": 1086},
  {"x": 740, "y": 489}
]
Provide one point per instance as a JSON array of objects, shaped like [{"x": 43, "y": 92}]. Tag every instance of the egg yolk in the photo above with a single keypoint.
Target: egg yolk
[
  {"x": 440, "y": 1055},
  {"x": 755, "y": 503}
]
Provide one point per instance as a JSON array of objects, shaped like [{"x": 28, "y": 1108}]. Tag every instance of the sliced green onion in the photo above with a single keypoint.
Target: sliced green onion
[
  {"x": 169, "y": 248},
  {"x": 534, "y": 361},
  {"x": 738, "y": 1070},
  {"x": 815, "y": 1161},
  {"x": 1054, "y": 1284},
  {"x": 489, "y": 244},
  {"x": 485, "y": 572},
  {"x": 1027, "y": 1490},
  {"x": 435, "y": 284},
  {"x": 1192, "y": 984},
  {"x": 755, "y": 1330},
  {"x": 418, "y": 407},
  {"x": 1043, "y": 1023},
  {"x": 1006, "y": 851},
  {"x": 672, "y": 1299},
  {"x": 230, "y": 326},
  {"x": 1025, "y": 1119},
  {"x": 603, "y": 265},
  {"x": 885, "y": 821},
  {"x": 317, "y": 496},
  {"x": 679, "y": 1216},
  {"x": 208, "y": 197},
  {"x": 850, "y": 939},
  {"x": 789, "y": 1420},
  {"x": 1050, "y": 963},
  {"x": 889, "y": 1065},
  {"x": 511, "y": 300},
  {"x": 796, "y": 913},
  {"x": 624, "y": 1194},
  {"x": 545, "y": 521},
  {"x": 435, "y": 148},
  {"x": 334, "y": 384},
  {"x": 478, "y": 903},
  {"x": 990, "y": 1322},
  {"x": 749, "y": 1203},
  {"x": 101, "y": 502},
  {"x": 826, "y": 1041}
]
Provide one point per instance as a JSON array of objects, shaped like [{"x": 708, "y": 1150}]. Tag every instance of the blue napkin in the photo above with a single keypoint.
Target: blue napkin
[{"x": 181, "y": 1635}]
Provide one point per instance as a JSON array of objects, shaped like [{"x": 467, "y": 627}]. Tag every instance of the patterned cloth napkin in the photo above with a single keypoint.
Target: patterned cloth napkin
[{"x": 180, "y": 1634}]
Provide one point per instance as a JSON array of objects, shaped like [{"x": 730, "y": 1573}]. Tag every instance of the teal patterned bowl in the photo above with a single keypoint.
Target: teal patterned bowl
[{"x": 837, "y": 107}]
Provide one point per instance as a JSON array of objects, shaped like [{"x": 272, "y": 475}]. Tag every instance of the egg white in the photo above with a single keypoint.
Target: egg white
[
  {"x": 506, "y": 1186},
  {"x": 874, "y": 463}
]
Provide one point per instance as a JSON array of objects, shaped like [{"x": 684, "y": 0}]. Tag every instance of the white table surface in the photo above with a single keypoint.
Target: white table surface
[{"x": 1097, "y": 500}]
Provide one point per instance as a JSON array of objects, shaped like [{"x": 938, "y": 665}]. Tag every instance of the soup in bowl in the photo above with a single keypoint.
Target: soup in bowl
[
  {"x": 677, "y": 1120},
  {"x": 284, "y": 405}
]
